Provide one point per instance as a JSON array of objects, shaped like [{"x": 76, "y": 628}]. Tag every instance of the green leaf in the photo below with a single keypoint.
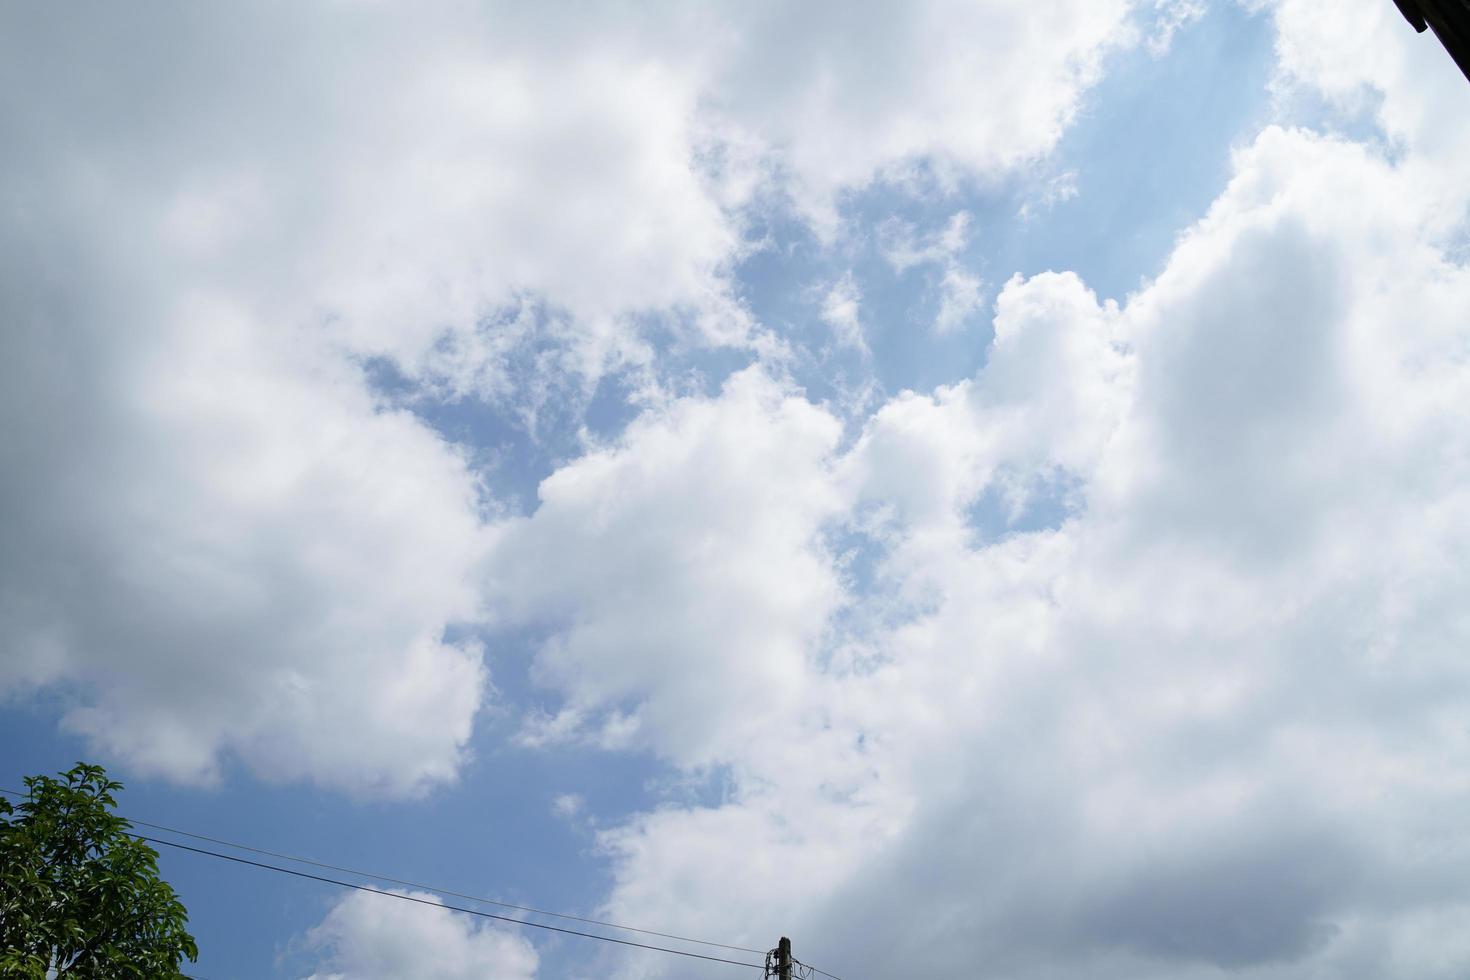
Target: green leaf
[{"x": 76, "y": 889}]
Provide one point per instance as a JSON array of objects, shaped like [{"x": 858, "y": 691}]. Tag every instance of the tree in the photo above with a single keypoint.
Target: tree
[{"x": 79, "y": 896}]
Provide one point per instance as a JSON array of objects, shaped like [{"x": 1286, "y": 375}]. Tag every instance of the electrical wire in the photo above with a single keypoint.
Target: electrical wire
[
  {"x": 442, "y": 891},
  {"x": 432, "y": 888},
  {"x": 813, "y": 969},
  {"x": 804, "y": 971},
  {"x": 452, "y": 908}
]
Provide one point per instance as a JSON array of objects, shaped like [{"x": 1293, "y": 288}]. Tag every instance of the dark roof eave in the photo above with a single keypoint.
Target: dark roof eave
[{"x": 1450, "y": 21}]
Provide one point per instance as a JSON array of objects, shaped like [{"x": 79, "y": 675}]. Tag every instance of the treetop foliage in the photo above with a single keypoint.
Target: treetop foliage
[{"x": 79, "y": 895}]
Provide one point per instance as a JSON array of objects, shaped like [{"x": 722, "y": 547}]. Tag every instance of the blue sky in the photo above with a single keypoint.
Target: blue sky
[{"x": 955, "y": 484}]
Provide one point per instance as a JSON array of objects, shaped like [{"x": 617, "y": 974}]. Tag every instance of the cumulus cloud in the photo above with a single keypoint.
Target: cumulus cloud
[
  {"x": 1165, "y": 748},
  {"x": 222, "y": 548},
  {"x": 1198, "y": 704},
  {"x": 849, "y": 93},
  {"x": 682, "y": 585},
  {"x": 372, "y": 937},
  {"x": 439, "y": 168},
  {"x": 1207, "y": 715},
  {"x": 221, "y": 544}
]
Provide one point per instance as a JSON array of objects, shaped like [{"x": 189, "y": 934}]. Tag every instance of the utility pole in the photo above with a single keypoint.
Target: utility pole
[{"x": 783, "y": 959}]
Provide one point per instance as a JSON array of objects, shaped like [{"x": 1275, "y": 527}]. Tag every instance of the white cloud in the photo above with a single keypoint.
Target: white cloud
[
  {"x": 406, "y": 176},
  {"x": 848, "y": 93},
  {"x": 1366, "y": 57},
  {"x": 220, "y": 545},
  {"x": 1213, "y": 718},
  {"x": 372, "y": 937},
  {"x": 568, "y": 806},
  {"x": 219, "y": 550},
  {"x": 1173, "y": 16},
  {"x": 959, "y": 297},
  {"x": 683, "y": 585},
  {"x": 1209, "y": 715},
  {"x": 1049, "y": 193},
  {"x": 959, "y": 289},
  {"x": 841, "y": 310}
]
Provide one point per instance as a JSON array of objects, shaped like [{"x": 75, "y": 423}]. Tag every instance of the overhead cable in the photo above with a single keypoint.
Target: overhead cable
[
  {"x": 443, "y": 891},
  {"x": 431, "y": 888},
  {"x": 451, "y": 908}
]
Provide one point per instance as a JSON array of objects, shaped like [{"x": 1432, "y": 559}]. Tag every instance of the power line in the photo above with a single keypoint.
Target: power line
[
  {"x": 444, "y": 891},
  {"x": 811, "y": 969},
  {"x": 803, "y": 971},
  {"x": 431, "y": 888},
  {"x": 452, "y": 908}
]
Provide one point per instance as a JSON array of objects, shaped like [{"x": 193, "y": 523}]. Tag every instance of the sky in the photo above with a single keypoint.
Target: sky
[{"x": 981, "y": 489}]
